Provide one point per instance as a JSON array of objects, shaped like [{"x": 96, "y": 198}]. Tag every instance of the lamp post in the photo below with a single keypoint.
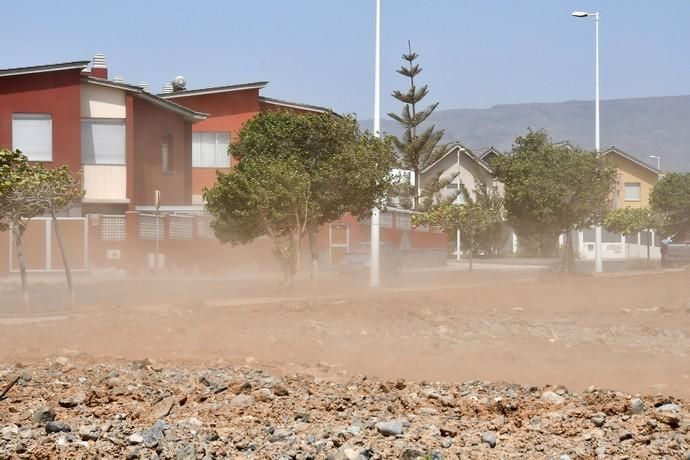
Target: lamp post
[
  {"x": 598, "y": 265},
  {"x": 658, "y": 161},
  {"x": 374, "y": 276}
]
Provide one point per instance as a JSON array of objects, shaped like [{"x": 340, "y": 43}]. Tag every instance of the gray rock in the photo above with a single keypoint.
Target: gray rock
[
  {"x": 57, "y": 427},
  {"x": 279, "y": 435},
  {"x": 280, "y": 390},
  {"x": 43, "y": 415},
  {"x": 636, "y": 406},
  {"x": 446, "y": 443},
  {"x": 600, "y": 451},
  {"x": 136, "y": 438},
  {"x": 668, "y": 408},
  {"x": 89, "y": 432},
  {"x": 489, "y": 438},
  {"x": 185, "y": 452},
  {"x": 153, "y": 435},
  {"x": 9, "y": 431},
  {"x": 73, "y": 400},
  {"x": 412, "y": 454},
  {"x": 264, "y": 395},
  {"x": 132, "y": 453},
  {"x": 553, "y": 398},
  {"x": 242, "y": 401},
  {"x": 598, "y": 420},
  {"x": 624, "y": 436},
  {"x": 564, "y": 457},
  {"x": 391, "y": 428}
]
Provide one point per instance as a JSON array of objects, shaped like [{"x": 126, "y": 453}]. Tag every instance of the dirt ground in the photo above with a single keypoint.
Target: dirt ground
[{"x": 626, "y": 332}]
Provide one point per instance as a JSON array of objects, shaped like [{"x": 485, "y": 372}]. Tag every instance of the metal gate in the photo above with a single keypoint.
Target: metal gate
[{"x": 41, "y": 249}]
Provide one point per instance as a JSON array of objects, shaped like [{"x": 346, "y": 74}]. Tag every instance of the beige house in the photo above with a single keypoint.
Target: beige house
[
  {"x": 635, "y": 179},
  {"x": 469, "y": 168}
]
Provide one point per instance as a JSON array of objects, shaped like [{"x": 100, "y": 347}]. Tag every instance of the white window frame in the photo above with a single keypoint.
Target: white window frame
[
  {"x": 639, "y": 191},
  {"x": 45, "y": 156},
  {"x": 221, "y": 159},
  {"x": 105, "y": 121}
]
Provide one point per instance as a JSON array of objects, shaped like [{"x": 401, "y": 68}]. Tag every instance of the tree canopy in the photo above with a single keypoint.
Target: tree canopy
[
  {"x": 295, "y": 173},
  {"x": 554, "y": 188},
  {"x": 29, "y": 190},
  {"x": 416, "y": 150},
  {"x": 670, "y": 198}
]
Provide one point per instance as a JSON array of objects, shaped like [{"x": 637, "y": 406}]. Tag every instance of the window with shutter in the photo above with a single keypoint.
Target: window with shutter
[
  {"x": 210, "y": 150},
  {"x": 103, "y": 142},
  {"x": 32, "y": 133}
]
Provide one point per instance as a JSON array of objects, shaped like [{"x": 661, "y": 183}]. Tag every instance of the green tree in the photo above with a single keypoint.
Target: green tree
[
  {"x": 28, "y": 191},
  {"x": 347, "y": 171},
  {"x": 264, "y": 196},
  {"x": 631, "y": 221},
  {"x": 468, "y": 217},
  {"x": 554, "y": 188},
  {"x": 416, "y": 150},
  {"x": 670, "y": 198}
]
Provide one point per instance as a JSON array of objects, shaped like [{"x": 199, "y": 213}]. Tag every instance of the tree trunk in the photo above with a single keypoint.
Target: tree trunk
[
  {"x": 65, "y": 262},
  {"x": 314, "y": 250},
  {"x": 417, "y": 189},
  {"x": 568, "y": 253},
  {"x": 19, "y": 246}
]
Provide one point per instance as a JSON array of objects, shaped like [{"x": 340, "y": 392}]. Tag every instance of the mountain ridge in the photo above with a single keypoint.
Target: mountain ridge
[{"x": 655, "y": 125}]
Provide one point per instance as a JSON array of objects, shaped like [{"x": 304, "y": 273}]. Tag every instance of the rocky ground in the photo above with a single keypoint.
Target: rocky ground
[{"x": 76, "y": 408}]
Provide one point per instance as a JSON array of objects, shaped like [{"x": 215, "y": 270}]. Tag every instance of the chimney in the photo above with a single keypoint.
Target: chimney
[
  {"x": 167, "y": 88},
  {"x": 143, "y": 85},
  {"x": 119, "y": 79},
  {"x": 99, "y": 67}
]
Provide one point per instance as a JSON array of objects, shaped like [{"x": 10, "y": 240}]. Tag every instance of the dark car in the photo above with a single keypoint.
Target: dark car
[
  {"x": 675, "y": 250},
  {"x": 359, "y": 260}
]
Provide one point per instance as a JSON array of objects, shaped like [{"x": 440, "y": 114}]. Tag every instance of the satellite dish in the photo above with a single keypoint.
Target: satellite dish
[{"x": 179, "y": 83}]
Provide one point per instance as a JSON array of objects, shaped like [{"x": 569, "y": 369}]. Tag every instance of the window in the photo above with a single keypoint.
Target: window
[
  {"x": 103, "y": 142},
  {"x": 166, "y": 154},
  {"x": 452, "y": 186},
  {"x": 210, "y": 150},
  {"x": 632, "y": 191},
  {"x": 32, "y": 133}
]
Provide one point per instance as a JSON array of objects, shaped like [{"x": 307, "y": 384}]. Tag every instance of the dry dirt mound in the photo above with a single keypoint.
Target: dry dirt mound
[{"x": 65, "y": 408}]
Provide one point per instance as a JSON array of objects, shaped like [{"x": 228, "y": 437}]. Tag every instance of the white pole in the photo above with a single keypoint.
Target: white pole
[
  {"x": 598, "y": 264},
  {"x": 457, "y": 232},
  {"x": 374, "y": 275}
]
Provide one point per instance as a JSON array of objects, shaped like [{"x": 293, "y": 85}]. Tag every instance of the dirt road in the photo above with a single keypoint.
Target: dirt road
[{"x": 628, "y": 332}]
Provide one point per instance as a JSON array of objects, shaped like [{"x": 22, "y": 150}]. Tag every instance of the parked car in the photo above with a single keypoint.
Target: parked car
[
  {"x": 675, "y": 250},
  {"x": 359, "y": 260}
]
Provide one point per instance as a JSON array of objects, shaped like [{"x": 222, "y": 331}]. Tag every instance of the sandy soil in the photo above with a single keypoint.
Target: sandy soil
[{"x": 626, "y": 332}]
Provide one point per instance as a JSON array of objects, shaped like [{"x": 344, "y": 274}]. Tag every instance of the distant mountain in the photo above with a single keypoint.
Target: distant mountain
[{"x": 640, "y": 127}]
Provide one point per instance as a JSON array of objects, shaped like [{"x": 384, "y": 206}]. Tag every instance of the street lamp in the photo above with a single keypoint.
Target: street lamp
[
  {"x": 658, "y": 161},
  {"x": 374, "y": 278},
  {"x": 598, "y": 266}
]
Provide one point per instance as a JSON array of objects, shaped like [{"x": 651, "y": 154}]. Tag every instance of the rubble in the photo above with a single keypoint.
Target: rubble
[{"x": 73, "y": 410}]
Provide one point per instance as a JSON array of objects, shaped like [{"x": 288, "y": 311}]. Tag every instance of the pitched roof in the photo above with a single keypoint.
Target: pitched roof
[
  {"x": 466, "y": 151},
  {"x": 213, "y": 90},
  {"x": 44, "y": 68},
  {"x": 629, "y": 157},
  {"x": 139, "y": 92},
  {"x": 295, "y": 105}
]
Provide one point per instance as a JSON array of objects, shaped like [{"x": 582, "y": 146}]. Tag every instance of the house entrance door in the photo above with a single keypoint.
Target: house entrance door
[{"x": 339, "y": 242}]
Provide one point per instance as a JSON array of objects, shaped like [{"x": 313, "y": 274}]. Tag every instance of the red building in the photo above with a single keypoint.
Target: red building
[
  {"x": 228, "y": 109},
  {"x": 124, "y": 141}
]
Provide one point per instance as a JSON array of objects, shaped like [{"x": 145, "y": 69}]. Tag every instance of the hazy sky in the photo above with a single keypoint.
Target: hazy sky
[{"x": 475, "y": 53}]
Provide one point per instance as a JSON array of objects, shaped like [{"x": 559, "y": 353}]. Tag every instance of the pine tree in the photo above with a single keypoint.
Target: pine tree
[{"x": 416, "y": 151}]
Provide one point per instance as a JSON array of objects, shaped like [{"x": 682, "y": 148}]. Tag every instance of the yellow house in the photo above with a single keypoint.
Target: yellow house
[{"x": 635, "y": 179}]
